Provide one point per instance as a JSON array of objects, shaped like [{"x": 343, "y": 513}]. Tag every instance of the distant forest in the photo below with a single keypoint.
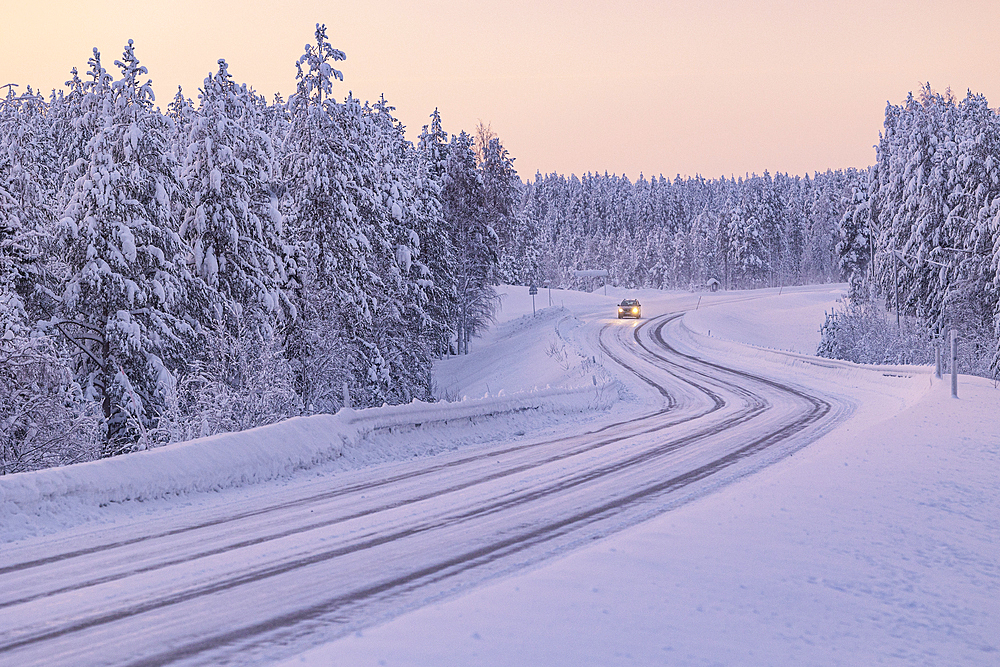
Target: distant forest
[
  {"x": 172, "y": 273},
  {"x": 753, "y": 231}
]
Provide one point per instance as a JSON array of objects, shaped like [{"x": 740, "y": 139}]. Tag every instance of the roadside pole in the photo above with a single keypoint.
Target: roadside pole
[
  {"x": 954, "y": 363},
  {"x": 937, "y": 359}
]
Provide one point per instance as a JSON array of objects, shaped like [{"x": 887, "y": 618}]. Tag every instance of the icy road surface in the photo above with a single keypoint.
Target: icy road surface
[{"x": 252, "y": 576}]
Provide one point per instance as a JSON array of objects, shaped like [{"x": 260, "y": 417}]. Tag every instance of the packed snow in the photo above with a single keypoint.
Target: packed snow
[
  {"x": 44, "y": 501},
  {"x": 876, "y": 544}
]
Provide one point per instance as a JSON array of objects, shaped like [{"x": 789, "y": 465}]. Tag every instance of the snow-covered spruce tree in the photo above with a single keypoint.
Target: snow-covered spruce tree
[
  {"x": 839, "y": 190},
  {"x": 181, "y": 112},
  {"x": 235, "y": 232},
  {"x": 333, "y": 307},
  {"x": 68, "y": 129},
  {"x": 403, "y": 328},
  {"x": 16, "y": 263},
  {"x": 913, "y": 158},
  {"x": 437, "y": 252},
  {"x": 931, "y": 209},
  {"x": 971, "y": 301},
  {"x": 855, "y": 236},
  {"x": 921, "y": 230},
  {"x": 26, "y": 193},
  {"x": 968, "y": 276},
  {"x": 791, "y": 243},
  {"x": 31, "y": 172},
  {"x": 517, "y": 239},
  {"x": 232, "y": 221},
  {"x": 465, "y": 210},
  {"x": 746, "y": 229},
  {"x": 43, "y": 418},
  {"x": 29, "y": 165},
  {"x": 131, "y": 306}
]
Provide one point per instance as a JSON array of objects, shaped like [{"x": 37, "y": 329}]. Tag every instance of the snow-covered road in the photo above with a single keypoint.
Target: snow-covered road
[
  {"x": 876, "y": 544},
  {"x": 416, "y": 514},
  {"x": 318, "y": 559}
]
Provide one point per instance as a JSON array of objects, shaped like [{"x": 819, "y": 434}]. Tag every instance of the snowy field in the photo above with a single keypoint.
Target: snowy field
[{"x": 877, "y": 544}]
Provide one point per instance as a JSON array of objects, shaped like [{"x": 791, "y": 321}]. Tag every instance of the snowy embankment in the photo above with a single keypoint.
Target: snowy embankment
[
  {"x": 269, "y": 452},
  {"x": 876, "y": 544},
  {"x": 790, "y": 321}
]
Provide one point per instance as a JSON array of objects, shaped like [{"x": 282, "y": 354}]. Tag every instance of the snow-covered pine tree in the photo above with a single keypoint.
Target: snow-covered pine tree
[
  {"x": 234, "y": 230},
  {"x": 232, "y": 221},
  {"x": 314, "y": 84},
  {"x": 433, "y": 143},
  {"x": 436, "y": 262},
  {"x": 43, "y": 419},
  {"x": 329, "y": 343},
  {"x": 826, "y": 202},
  {"x": 15, "y": 267},
  {"x": 972, "y": 295},
  {"x": 745, "y": 251},
  {"x": 933, "y": 160},
  {"x": 475, "y": 242},
  {"x": 70, "y": 129},
  {"x": 28, "y": 178},
  {"x": 181, "y": 112},
  {"x": 402, "y": 330},
  {"x": 855, "y": 236},
  {"x": 793, "y": 239},
  {"x": 518, "y": 256},
  {"x": 131, "y": 307}
]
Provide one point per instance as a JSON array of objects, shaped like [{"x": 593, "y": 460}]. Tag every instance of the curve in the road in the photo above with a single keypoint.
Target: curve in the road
[{"x": 739, "y": 396}]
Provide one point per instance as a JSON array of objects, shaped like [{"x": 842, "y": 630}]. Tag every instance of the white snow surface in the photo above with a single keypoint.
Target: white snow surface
[
  {"x": 44, "y": 501},
  {"x": 877, "y": 544}
]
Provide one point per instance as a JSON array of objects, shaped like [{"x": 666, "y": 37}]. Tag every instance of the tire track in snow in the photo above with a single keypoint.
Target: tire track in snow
[{"x": 661, "y": 355}]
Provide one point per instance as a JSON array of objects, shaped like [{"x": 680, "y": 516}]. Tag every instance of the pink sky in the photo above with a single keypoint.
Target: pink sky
[{"x": 713, "y": 87}]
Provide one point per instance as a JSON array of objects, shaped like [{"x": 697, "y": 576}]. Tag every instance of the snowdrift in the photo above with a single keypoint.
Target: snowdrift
[{"x": 256, "y": 455}]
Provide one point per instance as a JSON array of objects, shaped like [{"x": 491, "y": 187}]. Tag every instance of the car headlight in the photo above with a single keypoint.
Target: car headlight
[{"x": 635, "y": 311}]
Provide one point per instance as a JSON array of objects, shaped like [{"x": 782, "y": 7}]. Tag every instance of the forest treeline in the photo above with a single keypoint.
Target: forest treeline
[
  {"x": 166, "y": 274},
  {"x": 213, "y": 266},
  {"x": 746, "y": 232},
  {"x": 922, "y": 230}
]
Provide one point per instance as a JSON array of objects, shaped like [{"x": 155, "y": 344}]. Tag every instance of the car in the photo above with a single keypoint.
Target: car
[{"x": 630, "y": 308}]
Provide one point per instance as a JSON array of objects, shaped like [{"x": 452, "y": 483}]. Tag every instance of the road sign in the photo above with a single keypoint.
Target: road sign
[{"x": 532, "y": 290}]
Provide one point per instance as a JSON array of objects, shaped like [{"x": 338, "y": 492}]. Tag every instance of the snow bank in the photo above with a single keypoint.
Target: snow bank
[
  {"x": 745, "y": 354},
  {"x": 520, "y": 353},
  {"x": 268, "y": 452},
  {"x": 788, "y": 319}
]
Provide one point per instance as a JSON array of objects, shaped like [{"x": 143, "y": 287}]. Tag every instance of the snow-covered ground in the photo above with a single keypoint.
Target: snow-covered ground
[{"x": 877, "y": 544}]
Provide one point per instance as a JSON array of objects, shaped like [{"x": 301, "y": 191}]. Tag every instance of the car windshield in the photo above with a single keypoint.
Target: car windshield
[{"x": 630, "y": 302}]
